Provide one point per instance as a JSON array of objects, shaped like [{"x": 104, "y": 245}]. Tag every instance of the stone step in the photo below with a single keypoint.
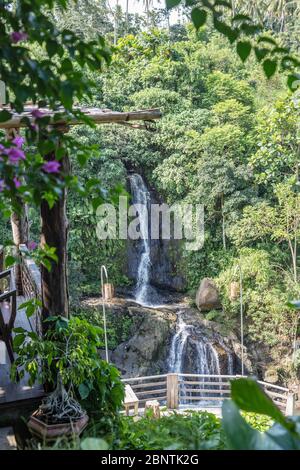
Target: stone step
[{"x": 7, "y": 439}]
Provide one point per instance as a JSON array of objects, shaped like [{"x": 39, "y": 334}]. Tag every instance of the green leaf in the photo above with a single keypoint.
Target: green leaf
[
  {"x": 295, "y": 304},
  {"x": 198, "y": 17},
  {"x": 240, "y": 17},
  {"x": 66, "y": 90},
  {"x": 93, "y": 443},
  {"x": 9, "y": 261},
  {"x": 223, "y": 3},
  {"x": 246, "y": 438},
  {"x": 18, "y": 340},
  {"x": 261, "y": 53},
  {"x": 243, "y": 49},
  {"x": 269, "y": 67},
  {"x": 267, "y": 39},
  {"x": 172, "y": 3},
  {"x": 84, "y": 391},
  {"x": 226, "y": 30},
  {"x": 82, "y": 158},
  {"x": 5, "y": 115},
  {"x": 249, "y": 396},
  {"x": 293, "y": 81},
  {"x": 19, "y": 329},
  {"x": 241, "y": 436}
]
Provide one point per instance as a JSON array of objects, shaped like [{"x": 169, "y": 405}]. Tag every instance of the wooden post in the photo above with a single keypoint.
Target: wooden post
[
  {"x": 19, "y": 225},
  {"x": 290, "y": 404},
  {"x": 152, "y": 409},
  {"x": 172, "y": 391},
  {"x": 54, "y": 233}
]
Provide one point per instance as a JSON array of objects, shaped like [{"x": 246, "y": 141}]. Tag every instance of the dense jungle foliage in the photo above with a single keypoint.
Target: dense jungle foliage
[{"x": 228, "y": 139}]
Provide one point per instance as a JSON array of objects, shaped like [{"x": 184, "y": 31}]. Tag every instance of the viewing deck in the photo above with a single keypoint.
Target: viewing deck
[{"x": 17, "y": 397}]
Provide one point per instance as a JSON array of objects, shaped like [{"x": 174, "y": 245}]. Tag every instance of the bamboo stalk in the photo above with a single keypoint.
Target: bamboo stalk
[{"x": 98, "y": 116}]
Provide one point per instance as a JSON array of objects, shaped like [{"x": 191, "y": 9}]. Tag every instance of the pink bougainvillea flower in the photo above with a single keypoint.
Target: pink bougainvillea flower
[
  {"x": 51, "y": 167},
  {"x": 2, "y": 185},
  {"x": 37, "y": 113},
  {"x": 15, "y": 154},
  {"x": 17, "y": 182},
  {"x": 32, "y": 245},
  {"x": 18, "y": 141},
  {"x": 18, "y": 36},
  {"x": 1, "y": 148}
]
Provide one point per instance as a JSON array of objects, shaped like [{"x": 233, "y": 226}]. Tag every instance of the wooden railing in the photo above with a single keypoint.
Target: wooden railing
[
  {"x": 203, "y": 390},
  {"x": 153, "y": 387},
  {"x": 31, "y": 285},
  {"x": 8, "y": 309}
]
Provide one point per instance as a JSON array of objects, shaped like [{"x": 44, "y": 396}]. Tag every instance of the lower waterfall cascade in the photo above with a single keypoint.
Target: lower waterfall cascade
[{"x": 207, "y": 358}]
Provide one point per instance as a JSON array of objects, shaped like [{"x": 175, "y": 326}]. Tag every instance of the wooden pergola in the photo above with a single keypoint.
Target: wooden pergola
[{"x": 54, "y": 225}]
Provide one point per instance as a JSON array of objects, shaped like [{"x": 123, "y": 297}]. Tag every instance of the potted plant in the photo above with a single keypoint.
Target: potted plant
[
  {"x": 67, "y": 360},
  {"x": 58, "y": 415}
]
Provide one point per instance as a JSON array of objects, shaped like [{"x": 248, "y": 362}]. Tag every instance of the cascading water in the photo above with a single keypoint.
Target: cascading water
[
  {"x": 205, "y": 358},
  {"x": 141, "y": 198}
]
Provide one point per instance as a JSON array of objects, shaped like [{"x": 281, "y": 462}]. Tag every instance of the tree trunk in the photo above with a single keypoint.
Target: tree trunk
[
  {"x": 116, "y": 23},
  {"x": 20, "y": 232},
  {"x": 126, "y": 15},
  {"x": 55, "y": 296},
  {"x": 19, "y": 226},
  {"x": 293, "y": 251}
]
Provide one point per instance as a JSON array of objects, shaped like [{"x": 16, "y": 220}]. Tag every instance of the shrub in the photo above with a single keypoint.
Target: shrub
[{"x": 189, "y": 430}]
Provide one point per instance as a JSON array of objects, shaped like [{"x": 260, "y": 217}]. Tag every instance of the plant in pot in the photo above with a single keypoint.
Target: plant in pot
[{"x": 67, "y": 360}]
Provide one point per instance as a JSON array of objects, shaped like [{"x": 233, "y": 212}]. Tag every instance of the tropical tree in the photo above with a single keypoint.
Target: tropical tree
[
  {"x": 278, "y": 141},
  {"x": 279, "y": 223}
]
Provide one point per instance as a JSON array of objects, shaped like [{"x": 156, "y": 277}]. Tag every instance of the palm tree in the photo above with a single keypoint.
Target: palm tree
[
  {"x": 147, "y": 4},
  {"x": 272, "y": 13}
]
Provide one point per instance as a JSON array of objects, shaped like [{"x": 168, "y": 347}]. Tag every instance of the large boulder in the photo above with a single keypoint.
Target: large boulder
[{"x": 207, "y": 297}]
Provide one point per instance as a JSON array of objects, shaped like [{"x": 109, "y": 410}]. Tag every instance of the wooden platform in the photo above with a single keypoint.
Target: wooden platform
[{"x": 16, "y": 398}]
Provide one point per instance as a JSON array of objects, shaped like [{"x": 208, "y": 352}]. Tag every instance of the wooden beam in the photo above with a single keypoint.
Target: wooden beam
[{"x": 98, "y": 116}]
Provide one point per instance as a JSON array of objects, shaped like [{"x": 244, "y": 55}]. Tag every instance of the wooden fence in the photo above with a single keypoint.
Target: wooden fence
[
  {"x": 31, "y": 285},
  {"x": 201, "y": 390}
]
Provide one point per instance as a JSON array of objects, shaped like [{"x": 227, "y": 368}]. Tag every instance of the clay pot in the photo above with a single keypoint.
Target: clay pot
[{"x": 50, "y": 432}]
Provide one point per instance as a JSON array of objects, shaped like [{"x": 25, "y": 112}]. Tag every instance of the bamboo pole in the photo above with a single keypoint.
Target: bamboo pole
[{"x": 98, "y": 116}]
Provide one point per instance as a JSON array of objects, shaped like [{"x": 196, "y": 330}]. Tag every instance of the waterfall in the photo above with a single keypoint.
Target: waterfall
[
  {"x": 141, "y": 197},
  {"x": 206, "y": 360},
  {"x": 178, "y": 345},
  {"x": 191, "y": 351}
]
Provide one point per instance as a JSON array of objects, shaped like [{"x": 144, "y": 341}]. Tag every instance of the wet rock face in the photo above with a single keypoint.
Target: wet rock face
[
  {"x": 207, "y": 296},
  {"x": 146, "y": 350}
]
